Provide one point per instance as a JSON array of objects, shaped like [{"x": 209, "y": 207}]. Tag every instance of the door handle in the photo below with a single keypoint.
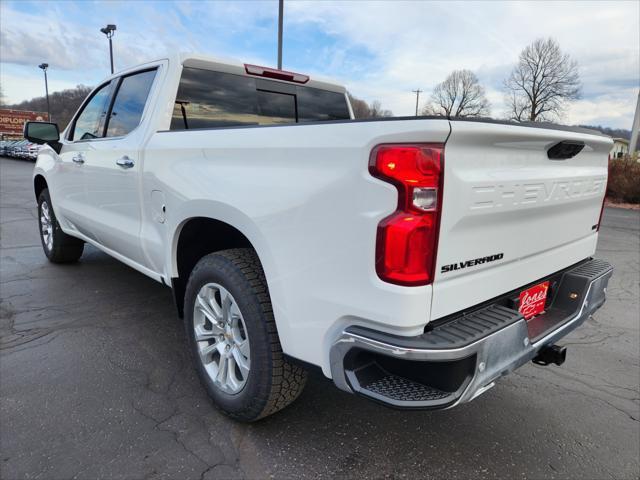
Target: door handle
[
  {"x": 125, "y": 162},
  {"x": 78, "y": 159}
]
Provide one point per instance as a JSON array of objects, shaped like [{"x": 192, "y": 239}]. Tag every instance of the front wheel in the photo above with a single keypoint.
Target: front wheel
[
  {"x": 57, "y": 245},
  {"x": 233, "y": 338}
]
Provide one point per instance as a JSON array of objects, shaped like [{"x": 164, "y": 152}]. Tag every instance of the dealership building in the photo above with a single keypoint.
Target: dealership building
[{"x": 12, "y": 122}]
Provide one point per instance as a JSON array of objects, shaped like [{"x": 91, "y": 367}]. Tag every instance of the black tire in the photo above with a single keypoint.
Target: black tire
[
  {"x": 62, "y": 248},
  {"x": 272, "y": 383}
]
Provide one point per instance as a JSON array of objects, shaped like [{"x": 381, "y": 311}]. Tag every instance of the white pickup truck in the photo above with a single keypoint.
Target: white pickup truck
[{"x": 413, "y": 260}]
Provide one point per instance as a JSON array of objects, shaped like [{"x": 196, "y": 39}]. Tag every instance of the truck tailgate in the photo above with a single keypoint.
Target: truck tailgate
[{"x": 511, "y": 215}]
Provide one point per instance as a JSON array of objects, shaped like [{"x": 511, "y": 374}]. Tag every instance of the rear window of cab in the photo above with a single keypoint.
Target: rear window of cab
[{"x": 209, "y": 99}]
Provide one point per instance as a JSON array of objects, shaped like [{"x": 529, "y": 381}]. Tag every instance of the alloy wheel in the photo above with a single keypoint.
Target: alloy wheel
[
  {"x": 221, "y": 338},
  {"x": 46, "y": 225}
]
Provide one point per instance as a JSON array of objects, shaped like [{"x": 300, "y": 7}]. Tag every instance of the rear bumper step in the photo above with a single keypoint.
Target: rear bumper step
[{"x": 458, "y": 360}]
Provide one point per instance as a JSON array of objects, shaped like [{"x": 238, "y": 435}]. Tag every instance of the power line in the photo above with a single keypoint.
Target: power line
[{"x": 417, "y": 92}]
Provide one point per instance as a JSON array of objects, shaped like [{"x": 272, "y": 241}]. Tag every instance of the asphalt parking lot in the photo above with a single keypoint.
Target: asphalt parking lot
[{"x": 95, "y": 381}]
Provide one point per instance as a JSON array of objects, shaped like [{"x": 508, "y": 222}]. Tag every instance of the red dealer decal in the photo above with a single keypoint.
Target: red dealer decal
[{"x": 532, "y": 300}]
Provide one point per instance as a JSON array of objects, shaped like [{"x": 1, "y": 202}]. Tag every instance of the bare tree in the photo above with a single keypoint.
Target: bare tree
[
  {"x": 376, "y": 110},
  {"x": 63, "y": 104},
  {"x": 542, "y": 82},
  {"x": 460, "y": 95},
  {"x": 362, "y": 109}
]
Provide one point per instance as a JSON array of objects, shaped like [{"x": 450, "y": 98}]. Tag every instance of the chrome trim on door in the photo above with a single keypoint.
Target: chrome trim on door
[{"x": 125, "y": 162}]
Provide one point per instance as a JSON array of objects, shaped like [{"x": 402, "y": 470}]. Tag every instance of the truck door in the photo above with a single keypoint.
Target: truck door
[
  {"x": 112, "y": 169},
  {"x": 69, "y": 188}
]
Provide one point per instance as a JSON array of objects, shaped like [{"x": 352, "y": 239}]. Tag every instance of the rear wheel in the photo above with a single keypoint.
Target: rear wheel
[
  {"x": 233, "y": 338},
  {"x": 57, "y": 245}
]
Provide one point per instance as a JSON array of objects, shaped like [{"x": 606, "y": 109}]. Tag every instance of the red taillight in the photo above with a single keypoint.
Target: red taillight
[
  {"x": 408, "y": 238},
  {"x": 274, "y": 73}
]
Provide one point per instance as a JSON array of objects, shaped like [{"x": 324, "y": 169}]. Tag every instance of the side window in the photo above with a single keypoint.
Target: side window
[
  {"x": 89, "y": 123},
  {"x": 129, "y": 103}
]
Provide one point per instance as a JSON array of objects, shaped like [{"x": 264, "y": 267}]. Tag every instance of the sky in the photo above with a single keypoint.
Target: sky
[{"x": 380, "y": 50}]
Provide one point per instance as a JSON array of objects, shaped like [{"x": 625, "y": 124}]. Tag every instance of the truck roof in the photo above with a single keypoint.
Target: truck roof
[{"x": 230, "y": 65}]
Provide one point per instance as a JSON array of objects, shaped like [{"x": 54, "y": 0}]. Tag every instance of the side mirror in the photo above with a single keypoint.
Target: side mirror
[{"x": 43, "y": 132}]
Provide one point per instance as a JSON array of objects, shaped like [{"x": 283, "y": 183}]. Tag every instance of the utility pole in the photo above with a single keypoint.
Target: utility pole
[
  {"x": 417, "y": 92},
  {"x": 108, "y": 31},
  {"x": 633, "y": 144},
  {"x": 44, "y": 67},
  {"x": 280, "y": 15}
]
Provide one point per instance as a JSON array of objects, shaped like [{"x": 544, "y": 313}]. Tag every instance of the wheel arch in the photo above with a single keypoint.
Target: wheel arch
[
  {"x": 39, "y": 184},
  {"x": 196, "y": 237}
]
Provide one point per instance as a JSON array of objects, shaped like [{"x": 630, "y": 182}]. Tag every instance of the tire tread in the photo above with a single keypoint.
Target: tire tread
[
  {"x": 287, "y": 380},
  {"x": 66, "y": 249}
]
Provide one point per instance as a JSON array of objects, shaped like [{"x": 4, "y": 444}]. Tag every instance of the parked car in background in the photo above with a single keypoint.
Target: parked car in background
[
  {"x": 20, "y": 150},
  {"x": 32, "y": 150},
  {"x": 23, "y": 151},
  {"x": 414, "y": 261},
  {"x": 9, "y": 147},
  {"x": 15, "y": 150},
  {"x": 5, "y": 148}
]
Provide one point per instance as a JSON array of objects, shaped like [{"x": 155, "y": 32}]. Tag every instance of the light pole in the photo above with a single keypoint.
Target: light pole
[
  {"x": 44, "y": 67},
  {"x": 280, "y": 15},
  {"x": 108, "y": 31}
]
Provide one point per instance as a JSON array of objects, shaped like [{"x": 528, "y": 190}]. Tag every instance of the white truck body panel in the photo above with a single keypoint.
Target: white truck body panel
[
  {"x": 309, "y": 207},
  {"x": 303, "y": 196}
]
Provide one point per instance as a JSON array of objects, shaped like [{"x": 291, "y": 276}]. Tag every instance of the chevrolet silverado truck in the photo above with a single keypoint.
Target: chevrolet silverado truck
[{"x": 414, "y": 260}]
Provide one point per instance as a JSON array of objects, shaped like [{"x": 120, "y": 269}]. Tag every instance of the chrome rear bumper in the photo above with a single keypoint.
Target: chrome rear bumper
[{"x": 460, "y": 359}]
